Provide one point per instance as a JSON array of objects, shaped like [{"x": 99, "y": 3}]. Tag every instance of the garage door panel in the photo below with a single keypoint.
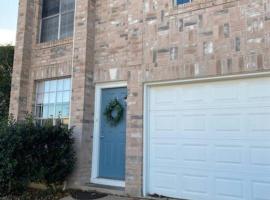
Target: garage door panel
[
  {"x": 258, "y": 91},
  {"x": 221, "y": 93},
  {"x": 260, "y": 189},
  {"x": 163, "y": 182},
  {"x": 162, "y": 99},
  {"x": 164, "y": 122},
  {"x": 226, "y": 123},
  {"x": 195, "y": 185},
  {"x": 259, "y": 157},
  {"x": 164, "y": 154},
  {"x": 227, "y": 155},
  {"x": 190, "y": 96},
  {"x": 228, "y": 188},
  {"x": 258, "y": 123},
  {"x": 210, "y": 140}
]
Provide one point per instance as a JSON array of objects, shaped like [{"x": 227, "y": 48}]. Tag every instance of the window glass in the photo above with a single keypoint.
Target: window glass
[
  {"x": 65, "y": 110},
  {"x": 60, "y": 85},
  {"x": 50, "y": 7},
  {"x": 58, "y": 110},
  {"x": 51, "y": 111},
  {"x": 66, "y": 96},
  {"x": 53, "y": 86},
  {"x": 39, "y": 111},
  {"x": 67, "y": 21},
  {"x": 53, "y": 99},
  {"x": 46, "y": 98},
  {"x": 57, "y": 19},
  {"x": 40, "y": 88},
  {"x": 178, "y": 2},
  {"x": 67, "y": 84},
  {"x": 45, "y": 114},
  {"x": 59, "y": 98},
  {"x": 67, "y": 5},
  {"x": 40, "y": 98},
  {"x": 49, "y": 29}
]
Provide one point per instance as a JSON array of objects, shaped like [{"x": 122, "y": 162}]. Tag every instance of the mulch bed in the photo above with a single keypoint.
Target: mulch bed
[
  {"x": 34, "y": 194},
  {"x": 81, "y": 195}
]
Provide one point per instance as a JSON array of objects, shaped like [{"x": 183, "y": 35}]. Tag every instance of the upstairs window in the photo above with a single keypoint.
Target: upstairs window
[
  {"x": 57, "y": 19},
  {"x": 180, "y": 2},
  {"x": 53, "y": 100}
]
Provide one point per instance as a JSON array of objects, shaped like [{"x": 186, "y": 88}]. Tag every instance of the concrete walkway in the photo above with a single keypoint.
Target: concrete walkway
[
  {"x": 113, "y": 197},
  {"x": 109, "y": 197}
]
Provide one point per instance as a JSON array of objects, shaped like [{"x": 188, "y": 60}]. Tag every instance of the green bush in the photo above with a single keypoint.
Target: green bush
[
  {"x": 34, "y": 153},
  {"x": 6, "y": 63}
]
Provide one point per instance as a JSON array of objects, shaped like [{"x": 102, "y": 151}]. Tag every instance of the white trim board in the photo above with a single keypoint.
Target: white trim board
[
  {"x": 96, "y": 136},
  {"x": 147, "y": 87}
]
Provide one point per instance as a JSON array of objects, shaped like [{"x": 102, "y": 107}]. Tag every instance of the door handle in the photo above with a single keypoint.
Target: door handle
[{"x": 102, "y": 137}]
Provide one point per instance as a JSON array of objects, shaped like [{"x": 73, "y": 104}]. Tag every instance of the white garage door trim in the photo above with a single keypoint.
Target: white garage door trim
[{"x": 147, "y": 87}]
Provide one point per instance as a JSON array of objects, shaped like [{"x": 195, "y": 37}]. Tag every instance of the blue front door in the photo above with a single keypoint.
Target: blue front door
[{"x": 112, "y": 151}]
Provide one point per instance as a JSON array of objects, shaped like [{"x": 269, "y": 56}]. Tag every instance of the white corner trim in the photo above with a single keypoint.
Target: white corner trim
[
  {"x": 95, "y": 155},
  {"x": 145, "y": 141}
]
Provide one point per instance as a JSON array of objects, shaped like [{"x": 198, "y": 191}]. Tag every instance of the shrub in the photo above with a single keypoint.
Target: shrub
[
  {"x": 34, "y": 153},
  {"x": 15, "y": 158},
  {"x": 6, "y": 63},
  {"x": 54, "y": 152}
]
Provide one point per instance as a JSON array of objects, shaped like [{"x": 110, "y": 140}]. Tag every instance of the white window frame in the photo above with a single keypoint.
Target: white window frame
[
  {"x": 52, "y": 16},
  {"x": 55, "y": 101}
]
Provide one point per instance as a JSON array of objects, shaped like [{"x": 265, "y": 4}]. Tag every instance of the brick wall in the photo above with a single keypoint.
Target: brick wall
[
  {"x": 137, "y": 41},
  {"x": 154, "y": 40}
]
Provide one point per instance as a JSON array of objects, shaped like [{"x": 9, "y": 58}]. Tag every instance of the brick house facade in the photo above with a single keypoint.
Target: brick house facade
[{"x": 137, "y": 42}]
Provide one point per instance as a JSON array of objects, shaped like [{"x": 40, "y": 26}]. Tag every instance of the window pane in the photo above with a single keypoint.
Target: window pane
[
  {"x": 40, "y": 87},
  {"x": 65, "y": 110},
  {"x": 45, "y": 111},
  {"x": 47, "y": 86},
  {"x": 67, "y": 23},
  {"x": 52, "y": 98},
  {"x": 182, "y": 1},
  {"x": 46, "y": 98},
  {"x": 58, "y": 110},
  {"x": 51, "y": 110},
  {"x": 53, "y": 86},
  {"x": 66, "y": 96},
  {"x": 39, "y": 111},
  {"x": 40, "y": 98},
  {"x": 67, "y": 84},
  {"x": 67, "y": 5},
  {"x": 59, "y": 98},
  {"x": 50, "y": 7},
  {"x": 49, "y": 29},
  {"x": 60, "y": 85}
]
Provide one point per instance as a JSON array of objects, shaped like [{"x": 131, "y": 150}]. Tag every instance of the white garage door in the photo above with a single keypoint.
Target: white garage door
[{"x": 210, "y": 140}]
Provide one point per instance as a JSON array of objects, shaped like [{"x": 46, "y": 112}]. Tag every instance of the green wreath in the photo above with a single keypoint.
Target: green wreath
[{"x": 114, "y": 106}]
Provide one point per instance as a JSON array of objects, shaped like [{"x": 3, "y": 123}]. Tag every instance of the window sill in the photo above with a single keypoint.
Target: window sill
[{"x": 55, "y": 43}]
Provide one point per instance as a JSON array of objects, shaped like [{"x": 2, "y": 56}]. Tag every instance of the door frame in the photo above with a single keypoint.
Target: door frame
[
  {"x": 146, "y": 104},
  {"x": 96, "y": 135}
]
